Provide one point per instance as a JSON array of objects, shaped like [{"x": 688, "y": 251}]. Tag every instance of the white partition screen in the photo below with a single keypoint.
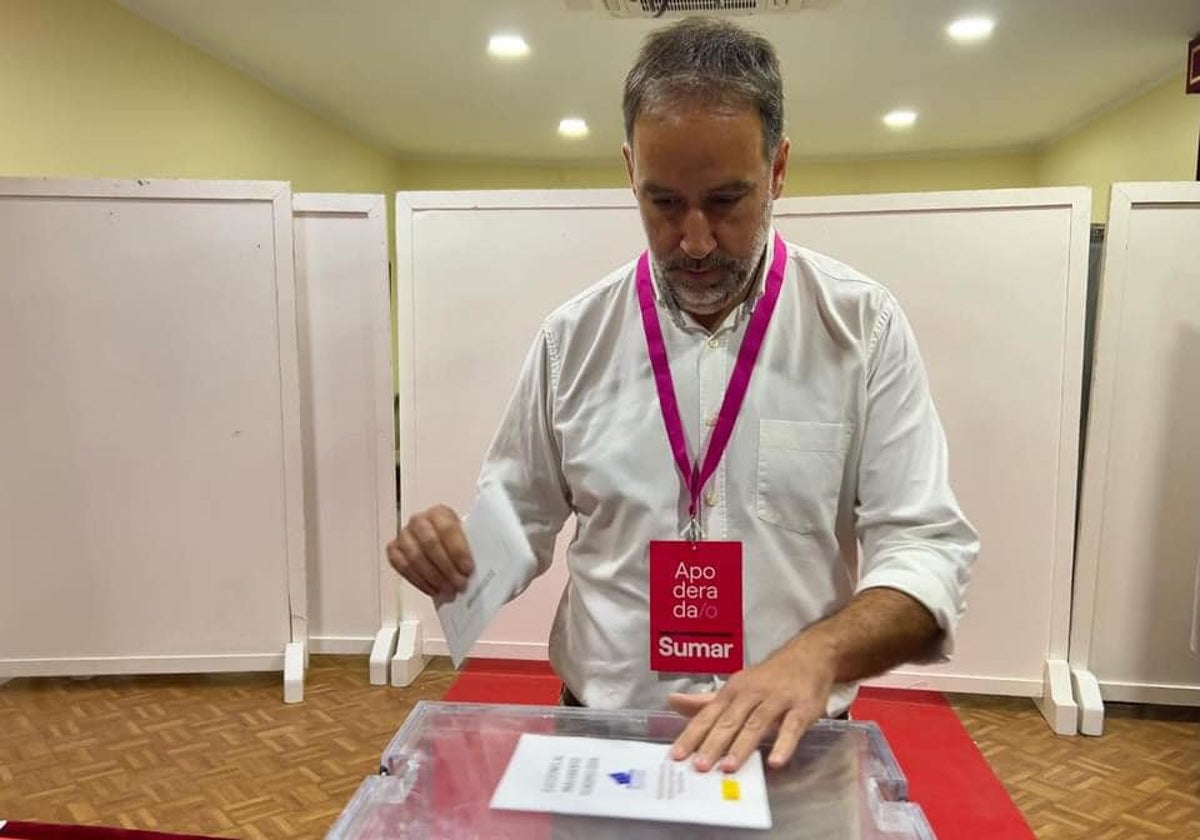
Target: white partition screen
[
  {"x": 993, "y": 282},
  {"x": 1137, "y": 588},
  {"x": 348, "y": 426},
  {"x": 151, "y": 516},
  {"x": 476, "y": 273}
]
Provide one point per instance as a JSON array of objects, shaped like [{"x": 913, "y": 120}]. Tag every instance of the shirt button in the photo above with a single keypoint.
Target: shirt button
[
  {"x": 710, "y": 421},
  {"x": 714, "y": 343},
  {"x": 710, "y": 498}
]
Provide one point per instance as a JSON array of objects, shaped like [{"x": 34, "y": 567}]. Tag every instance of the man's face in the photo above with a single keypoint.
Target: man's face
[{"x": 705, "y": 193}]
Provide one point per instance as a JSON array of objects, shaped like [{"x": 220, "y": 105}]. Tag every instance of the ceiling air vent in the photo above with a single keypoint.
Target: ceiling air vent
[{"x": 679, "y": 8}]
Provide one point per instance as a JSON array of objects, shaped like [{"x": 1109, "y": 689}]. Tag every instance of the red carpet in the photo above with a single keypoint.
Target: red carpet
[
  {"x": 505, "y": 681},
  {"x": 947, "y": 775}
]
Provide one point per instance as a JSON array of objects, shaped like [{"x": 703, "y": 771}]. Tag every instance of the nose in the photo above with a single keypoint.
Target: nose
[{"x": 697, "y": 240}]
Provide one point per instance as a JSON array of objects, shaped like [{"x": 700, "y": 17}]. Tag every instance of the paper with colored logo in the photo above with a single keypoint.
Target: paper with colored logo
[
  {"x": 628, "y": 779},
  {"x": 503, "y": 561}
]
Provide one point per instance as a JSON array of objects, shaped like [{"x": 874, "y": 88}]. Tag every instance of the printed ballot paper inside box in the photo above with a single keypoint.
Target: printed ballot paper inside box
[{"x": 442, "y": 769}]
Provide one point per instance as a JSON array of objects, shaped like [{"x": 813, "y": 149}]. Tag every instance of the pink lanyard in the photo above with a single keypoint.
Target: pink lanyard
[{"x": 696, "y": 475}]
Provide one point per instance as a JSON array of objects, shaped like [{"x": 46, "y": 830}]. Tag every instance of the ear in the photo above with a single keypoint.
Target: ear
[
  {"x": 628, "y": 154},
  {"x": 779, "y": 167}
]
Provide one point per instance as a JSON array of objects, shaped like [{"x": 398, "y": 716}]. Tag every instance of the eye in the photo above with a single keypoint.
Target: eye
[
  {"x": 726, "y": 200},
  {"x": 666, "y": 203}
]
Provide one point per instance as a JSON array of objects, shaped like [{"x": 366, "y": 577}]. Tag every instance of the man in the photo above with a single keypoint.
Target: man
[{"x": 627, "y": 415}]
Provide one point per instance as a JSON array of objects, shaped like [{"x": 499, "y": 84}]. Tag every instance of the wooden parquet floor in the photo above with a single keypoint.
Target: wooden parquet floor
[
  {"x": 223, "y": 756},
  {"x": 217, "y": 755},
  {"x": 1141, "y": 779}
]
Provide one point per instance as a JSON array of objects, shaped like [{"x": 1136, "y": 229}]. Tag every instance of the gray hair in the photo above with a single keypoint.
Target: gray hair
[{"x": 710, "y": 61}]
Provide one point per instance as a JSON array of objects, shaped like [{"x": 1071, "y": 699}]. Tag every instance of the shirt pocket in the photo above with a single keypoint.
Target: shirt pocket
[{"x": 800, "y": 466}]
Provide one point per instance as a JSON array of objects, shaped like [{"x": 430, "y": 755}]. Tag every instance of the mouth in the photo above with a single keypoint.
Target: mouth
[{"x": 700, "y": 276}]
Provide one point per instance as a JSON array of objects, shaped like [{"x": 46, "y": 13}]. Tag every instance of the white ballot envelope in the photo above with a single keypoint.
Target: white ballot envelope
[
  {"x": 629, "y": 779},
  {"x": 503, "y": 561}
]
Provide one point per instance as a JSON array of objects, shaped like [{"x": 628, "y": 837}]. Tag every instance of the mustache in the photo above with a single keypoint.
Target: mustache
[{"x": 713, "y": 262}]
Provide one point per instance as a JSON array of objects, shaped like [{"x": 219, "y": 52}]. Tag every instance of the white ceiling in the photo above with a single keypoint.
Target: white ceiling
[{"x": 413, "y": 76}]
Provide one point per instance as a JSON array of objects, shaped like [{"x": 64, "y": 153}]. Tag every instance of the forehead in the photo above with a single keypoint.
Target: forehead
[{"x": 690, "y": 144}]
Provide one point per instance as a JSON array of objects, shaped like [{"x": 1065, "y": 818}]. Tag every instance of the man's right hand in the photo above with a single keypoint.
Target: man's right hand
[{"x": 431, "y": 553}]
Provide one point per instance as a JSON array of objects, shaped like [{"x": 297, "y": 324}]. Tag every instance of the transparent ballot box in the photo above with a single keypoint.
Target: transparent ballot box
[{"x": 439, "y": 772}]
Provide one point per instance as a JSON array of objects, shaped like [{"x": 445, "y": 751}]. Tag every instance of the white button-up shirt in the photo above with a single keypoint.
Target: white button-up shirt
[{"x": 838, "y": 444}]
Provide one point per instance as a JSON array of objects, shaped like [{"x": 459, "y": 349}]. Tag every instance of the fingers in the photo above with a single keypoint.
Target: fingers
[
  {"x": 700, "y": 730},
  {"x": 791, "y": 730},
  {"x": 426, "y": 534},
  {"x": 753, "y": 707},
  {"x": 739, "y": 723},
  {"x": 406, "y": 557},
  {"x": 755, "y": 727},
  {"x": 449, "y": 529},
  {"x": 727, "y": 733},
  {"x": 431, "y": 553}
]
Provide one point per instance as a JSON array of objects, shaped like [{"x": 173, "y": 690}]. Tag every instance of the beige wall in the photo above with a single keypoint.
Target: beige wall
[
  {"x": 968, "y": 172},
  {"x": 804, "y": 178},
  {"x": 88, "y": 89},
  {"x": 451, "y": 175},
  {"x": 1152, "y": 138}
]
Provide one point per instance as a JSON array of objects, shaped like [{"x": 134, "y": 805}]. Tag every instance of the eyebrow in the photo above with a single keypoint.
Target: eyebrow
[{"x": 653, "y": 189}]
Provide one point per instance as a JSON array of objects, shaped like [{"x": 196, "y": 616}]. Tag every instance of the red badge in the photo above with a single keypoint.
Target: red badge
[{"x": 696, "y": 624}]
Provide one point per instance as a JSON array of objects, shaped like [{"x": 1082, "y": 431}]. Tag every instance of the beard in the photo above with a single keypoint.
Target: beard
[{"x": 715, "y": 283}]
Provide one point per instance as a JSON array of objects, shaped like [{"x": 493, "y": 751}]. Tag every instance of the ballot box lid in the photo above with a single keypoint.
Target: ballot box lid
[{"x": 439, "y": 771}]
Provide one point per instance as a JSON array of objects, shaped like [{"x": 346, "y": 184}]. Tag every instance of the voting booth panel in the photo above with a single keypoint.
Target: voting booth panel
[
  {"x": 1137, "y": 587},
  {"x": 151, "y": 513},
  {"x": 475, "y": 275},
  {"x": 995, "y": 285},
  {"x": 341, "y": 250},
  {"x": 993, "y": 282}
]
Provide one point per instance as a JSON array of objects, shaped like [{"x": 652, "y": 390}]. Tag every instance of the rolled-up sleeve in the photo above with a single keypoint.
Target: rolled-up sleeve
[
  {"x": 524, "y": 457},
  {"x": 914, "y": 536}
]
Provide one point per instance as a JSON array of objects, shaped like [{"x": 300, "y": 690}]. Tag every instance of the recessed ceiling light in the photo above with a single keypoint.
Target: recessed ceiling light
[
  {"x": 969, "y": 29},
  {"x": 573, "y": 127},
  {"x": 900, "y": 119},
  {"x": 507, "y": 45}
]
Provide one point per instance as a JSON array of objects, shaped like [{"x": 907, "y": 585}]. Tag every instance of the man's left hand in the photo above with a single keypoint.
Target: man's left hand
[{"x": 789, "y": 690}]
